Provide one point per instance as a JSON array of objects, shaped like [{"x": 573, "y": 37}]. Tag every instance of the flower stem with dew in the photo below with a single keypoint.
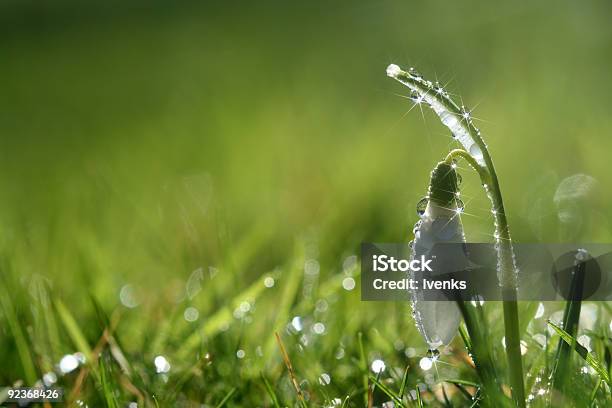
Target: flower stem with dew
[{"x": 458, "y": 120}]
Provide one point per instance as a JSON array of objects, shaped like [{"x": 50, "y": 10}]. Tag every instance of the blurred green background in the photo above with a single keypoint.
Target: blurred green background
[{"x": 140, "y": 143}]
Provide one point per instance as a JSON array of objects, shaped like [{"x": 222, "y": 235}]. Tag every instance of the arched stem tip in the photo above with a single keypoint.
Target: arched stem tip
[{"x": 393, "y": 70}]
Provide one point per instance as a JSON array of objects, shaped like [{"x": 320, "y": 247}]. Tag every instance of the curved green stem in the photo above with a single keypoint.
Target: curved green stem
[
  {"x": 455, "y": 154},
  {"x": 457, "y": 119},
  {"x": 507, "y": 272},
  {"x": 505, "y": 263}
]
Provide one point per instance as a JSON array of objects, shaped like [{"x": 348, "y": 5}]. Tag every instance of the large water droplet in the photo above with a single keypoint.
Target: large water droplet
[
  {"x": 416, "y": 97},
  {"x": 378, "y": 366},
  {"x": 449, "y": 120},
  {"x": 459, "y": 179},
  {"x": 421, "y": 206},
  {"x": 475, "y": 152},
  {"x": 417, "y": 226},
  {"x": 393, "y": 70},
  {"x": 425, "y": 363},
  {"x": 324, "y": 379},
  {"x": 433, "y": 353},
  {"x": 439, "y": 90}
]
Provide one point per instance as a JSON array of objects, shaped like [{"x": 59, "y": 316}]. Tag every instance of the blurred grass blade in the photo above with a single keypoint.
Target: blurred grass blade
[
  {"x": 460, "y": 382},
  {"x": 292, "y": 281},
  {"x": 404, "y": 382},
  {"x": 583, "y": 352},
  {"x": 594, "y": 393},
  {"x": 294, "y": 381},
  {"x": 108, "y": 387},
  {"x": 223, "y": 316},
  {"x": 163, "y": 332},
  {"x": 270, "y": 391},
  {"x": 226, "y": 398},
  {"x": 479, "y": 348},
  {"x": 463, "y": 391},
  {"x": 571, "y": 317},
  {"x": 465, "y": 337},
  {"x": 23, "y": 349},
  {"x": 447, "y": 403},
  {"x": 419, "y": 401},
  {"x": 396, "y": 399},
  {"x": 75, "y": 333},
  {"x": 364, "y": 367}
]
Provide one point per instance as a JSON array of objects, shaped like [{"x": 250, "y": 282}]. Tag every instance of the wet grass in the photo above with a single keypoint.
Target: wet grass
[{"x": 230, "y": 364}]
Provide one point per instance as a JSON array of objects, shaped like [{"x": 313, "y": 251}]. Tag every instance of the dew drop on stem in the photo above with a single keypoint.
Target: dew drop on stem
[
  {"x": 393, "y": 70},
  {"x": 416, "y": 74},
  {"x": 459, "y": 179},
  {"x": 476, "y": 152},
  {"x": 421, "y": 206},
  {"x": 460, "y": 205},
  {"x": 417, "y": 98},
  {"x": 416, "y": 227}
]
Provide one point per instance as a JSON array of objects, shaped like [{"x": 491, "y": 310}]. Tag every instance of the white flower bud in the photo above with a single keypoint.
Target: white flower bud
[{"x": 438, "y": 320}]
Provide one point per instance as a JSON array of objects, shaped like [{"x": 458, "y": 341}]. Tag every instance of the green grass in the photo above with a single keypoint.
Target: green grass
[
  {"x": 139, "y": 146},
  {"x": 211, "y": 373}
]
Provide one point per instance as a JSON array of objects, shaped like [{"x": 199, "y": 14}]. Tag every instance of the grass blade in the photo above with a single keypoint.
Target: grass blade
[
  {"x": 364, "y": 367},
  {"x": 594, "y": 393},
  {"x": 108, "y": 388},
  {"x": 571, "y": 316},
  {"x": 396, "y": 399},
  {"x": 582, "y": 352},
  {"x": 404, "y": 382},
  {"x": 419, "y": 401},
  {"x": 461, "y": 384},
  {"x": 513, "y": 349},
  {"x": 294, "y": 380},
  {"x": 226, "y": 398},
  {"x": 481, "y": 355},
  {"x": 270, "y": 391},
  {"x": 290, "y": 289},
  {"x": 75, "y": 333},
  {"x": 457, "y": 381},
  {"x": 23, "y": 349},
  {"x": 213, "y": 325}
]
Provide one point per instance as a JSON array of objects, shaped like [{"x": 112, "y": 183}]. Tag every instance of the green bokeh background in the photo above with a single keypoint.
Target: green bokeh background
[
  {"x": 285, "y": 110},
  {"x": 141, "y": 142}
]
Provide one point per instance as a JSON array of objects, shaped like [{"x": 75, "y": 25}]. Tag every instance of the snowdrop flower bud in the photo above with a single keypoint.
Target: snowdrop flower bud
[{"x": 438, "y": 320}]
